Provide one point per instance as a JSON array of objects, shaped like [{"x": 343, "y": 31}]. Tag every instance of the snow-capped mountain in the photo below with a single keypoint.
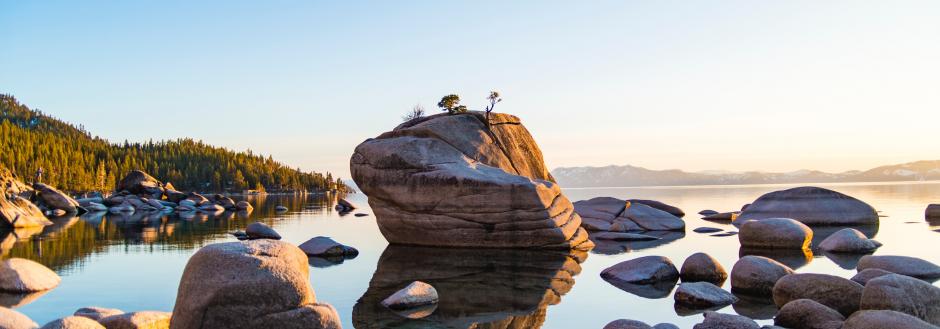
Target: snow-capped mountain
[{"x": 611, "y": 176}]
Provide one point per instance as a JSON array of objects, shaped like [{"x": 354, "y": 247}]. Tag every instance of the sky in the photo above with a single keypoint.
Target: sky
[{"x": 694, "y": 85}]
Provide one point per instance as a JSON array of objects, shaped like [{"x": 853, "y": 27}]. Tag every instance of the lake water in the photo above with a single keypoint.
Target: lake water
[{"x": 135, "y": 263}]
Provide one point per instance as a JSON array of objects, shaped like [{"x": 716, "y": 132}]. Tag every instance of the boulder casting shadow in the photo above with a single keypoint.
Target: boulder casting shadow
[{"x": 478, "y": 288}]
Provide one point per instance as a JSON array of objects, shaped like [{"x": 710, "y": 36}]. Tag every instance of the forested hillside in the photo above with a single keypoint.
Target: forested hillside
[{"x": 74, "y": 160}]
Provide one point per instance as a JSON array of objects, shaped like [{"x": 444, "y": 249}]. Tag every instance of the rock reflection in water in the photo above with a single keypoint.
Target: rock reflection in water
[
  {"x": 478, "y": 288},
  {"x": 611, "y": 247},
  {"x": 793, "y": 258},
  {"x": 755, "y": 307}
]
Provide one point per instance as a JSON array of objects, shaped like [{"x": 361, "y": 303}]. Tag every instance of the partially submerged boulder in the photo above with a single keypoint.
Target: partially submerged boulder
[
  {"x": 702, "y": 267},
  {"x": 702, "y": 295},
  {"x": 259, "y": 230},
  {"x": 139, "y": 320},
  {"x": 809, "y": 314},
  {"x": 97, "y": 313},
  {"x": 458, "y": 181},
  {"x": 73, "y": 322},
  {"x": 643, "y": 270},
  {"x": 22, "y": 275},
  {"x": 416, "y": 294},
  {"x": 251, "y": 284},
  {"x": 612, "y": 214},
  {"x": 715, "y": 320},
  {"x": 882, "y": 319},
  {"x": 849, "y": 240},
  {"x": 324, "y": 246},
  {"x": 673, "y": 210},
  {"x": 932, "y": 213},
  {"x": 811, "y": 206},
  {"x": 904, "y": 265},
  {"x": 627, "y": 324},
  {"x": 775, "y": 233},
  {"x": 757, "y": 275}
]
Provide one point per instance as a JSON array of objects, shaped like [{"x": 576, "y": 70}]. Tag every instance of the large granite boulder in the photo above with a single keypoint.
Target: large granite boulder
[
  {"x": 811, "y": 206},
  {"x": 643, "y": 270},
  {"x": 250, "y": 284},
  {"x": 883, "y": 319},
  {"x": 22, "y": 275},
  {"x": 455, "y": 181},
  {"x": 703, "y": 267},
  {"x": 835, "y": 292},
  {"x": 55, "y": 199},
  {"x": 16, "y": 212},
  {"x": 10, "y": 319},
  {"x": 140, "y": 183},
  {"x": 775, "y": 233},
  {"x": 903, "y": 294},
  {"x": 904, "y": 265},
  {"x": 757, "y": 275}
]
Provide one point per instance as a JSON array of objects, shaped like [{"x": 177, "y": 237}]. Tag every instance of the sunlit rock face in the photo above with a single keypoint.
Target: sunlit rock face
[
  {"x": 478, "y": 288},
  {"x": 448, "y": 180},
  {"x": 15, "y": 210}
]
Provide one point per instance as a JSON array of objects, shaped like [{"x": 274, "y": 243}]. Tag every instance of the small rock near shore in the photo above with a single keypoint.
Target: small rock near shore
[
  {"x": 702, "y": 267},
  {"x": 643, "y": 270},
  {"x": 259, "y": 230},
  {"x": 416, "y": 294}
]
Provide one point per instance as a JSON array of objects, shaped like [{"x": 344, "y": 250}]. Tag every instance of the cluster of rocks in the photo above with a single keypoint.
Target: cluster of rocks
[
  {"x": 465, "y": 180},
  {"x": 17, "y": 210},
  {"x": 139, "y": 191},
  {"x": 887, "y": 292},
  {"x": 607, "y": 214}
]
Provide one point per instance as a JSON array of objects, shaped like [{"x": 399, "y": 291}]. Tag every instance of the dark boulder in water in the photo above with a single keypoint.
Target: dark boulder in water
[{"x": 811, "y": 206}]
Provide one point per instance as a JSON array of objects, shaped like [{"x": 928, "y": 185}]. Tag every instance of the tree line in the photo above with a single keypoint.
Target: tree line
[{"x": 72, "y": 159}]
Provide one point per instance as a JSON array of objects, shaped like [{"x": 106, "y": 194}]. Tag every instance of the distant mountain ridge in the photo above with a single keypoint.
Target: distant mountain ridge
[{"x": 624, "y": 176}]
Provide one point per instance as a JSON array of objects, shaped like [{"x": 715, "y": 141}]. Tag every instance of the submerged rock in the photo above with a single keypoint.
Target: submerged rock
[
  {"x": 702, "y": 294},
  {"x": 259, "y": 230},
  {"x": 882, "y": 319},
  {"x": 702, "y": 267},
  {"x": 24, "y": 275},
  {"x": 707, "y": 230},
  {"x": 811, "y": 206},
  {"x": 707, "y": 212},
  {"x": 757, "y": 275},
  {"x": 458, "y": 181},
  {"x": 775, "y": 233},
  {"x": 10, "y": 319},
  {"x": 904, "y": 265},
  {"x": 138, "y": 320},
  {"x": 849, "y": 240},
  {"x": 809, "y": 314},
  {"x": 643, "y": 270},
  {"x": 251, "y": 284},
  {"x": 838, "y": 293},
  {"x": 903, "y": 294}
]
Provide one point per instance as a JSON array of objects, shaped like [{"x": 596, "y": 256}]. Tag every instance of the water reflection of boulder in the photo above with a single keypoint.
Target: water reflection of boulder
[
  {"x": 9, "y": 237},
  {"x": 14, "y": 300},
  {"x": 478, "y": 288},
  {"x": 794, "y": 258},
  {"x": 656, "y": 290},
  {"x": 848, "y": 261},
  {"x": 611, "y": 247},
  {"x": 755, "y": 307}
]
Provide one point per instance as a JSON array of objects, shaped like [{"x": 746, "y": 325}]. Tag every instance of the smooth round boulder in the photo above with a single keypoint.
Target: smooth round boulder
[
  {"x": 97, "y": 313},
  {"x": 903, "y": 294},
  {"x": 808, "y": 314},
  {"x": 259, "y": 230},
  {"x": 849, "y": 240},
  {"x": 715, "y": 320},
  {"x": 627, "y": 324},
  {"x": 932, "y": 213},
  {"x": 138, "y": 320},
  {"x": 775, "y": 233},
  {"x": 838, "y": 293},
  {"x": 863, "y": 276},
  {"x": 811, "y": 206},
  {"x": 702, "y": 295},
  {"x": 10, "y": 319},
  {"x": 139, "y": 182},
  {"x": 643, "y": 270},
  {"x": 757, "y": 275},
  {"x": 22, "y": 275},
  {"x": 416, "y": 294},
  {"x": 883, "y": 319},
  {"x": 665, "y": 326},
  {"x": 73, "y": 322},
  {"x": 249, "y": 284},
  {"x": 904, "y": 265},
  {"x": 702, "y": 267}
]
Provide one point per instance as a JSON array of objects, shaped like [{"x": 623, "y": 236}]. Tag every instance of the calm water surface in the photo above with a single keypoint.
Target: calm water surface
[{"x": 135, "y": 262}]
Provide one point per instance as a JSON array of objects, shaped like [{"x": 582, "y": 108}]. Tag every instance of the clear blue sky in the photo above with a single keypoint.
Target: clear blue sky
[{"x": 763, "y": 85}]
